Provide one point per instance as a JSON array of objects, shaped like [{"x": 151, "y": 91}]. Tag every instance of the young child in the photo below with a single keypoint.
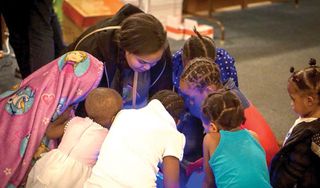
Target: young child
[
  {"x": 232, "y": 156},
  {"x": 203, "y": 46},
  {"x": 201, "y": 77},
  {"x": 28, "y": 108},
  {"x": 199, "y": 46},
  {"x": 297, "y": 163},
  {"x": 138, "y": 140},
  {"x": 70, "y": 164}
]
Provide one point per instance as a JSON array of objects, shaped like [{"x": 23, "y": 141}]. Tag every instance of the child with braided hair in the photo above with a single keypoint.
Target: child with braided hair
[
  {"x": 297, "y": 163},
  {"x": 138, "y": 140},
  {"x": 203, "y": 46},
  {"x": 199, "y": 46},
  {"x": 201, "y": 77},
  {"x": 222, "y": 115}
]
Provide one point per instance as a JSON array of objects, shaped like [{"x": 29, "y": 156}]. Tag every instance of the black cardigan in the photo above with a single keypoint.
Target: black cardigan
[
  {"x": 103, "y": 46},
  {"x": 295, "y": 165}
]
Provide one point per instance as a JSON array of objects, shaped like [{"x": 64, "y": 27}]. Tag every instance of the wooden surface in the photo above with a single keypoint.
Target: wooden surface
[{"x": 85, "y": 13}]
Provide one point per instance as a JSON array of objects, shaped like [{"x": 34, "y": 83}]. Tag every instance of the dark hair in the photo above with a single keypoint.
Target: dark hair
[
  {"x": 201, "y": 72},
  {"x": 307, "y": 80},
  {"x": 142, "y": 34},
  {"x": 100, "y": 99},
  {"x": 223, "y": 108},
  {"x": 172, "y": 102},
  {"x": 198, "y": 46}
]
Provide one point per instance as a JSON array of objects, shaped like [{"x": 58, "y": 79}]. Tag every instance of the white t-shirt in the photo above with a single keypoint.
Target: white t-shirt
[{"x": 137, "y": 141}]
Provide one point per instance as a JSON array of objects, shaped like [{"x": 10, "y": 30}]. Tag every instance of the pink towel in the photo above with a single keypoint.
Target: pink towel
[{"x": 26, "y": 110}]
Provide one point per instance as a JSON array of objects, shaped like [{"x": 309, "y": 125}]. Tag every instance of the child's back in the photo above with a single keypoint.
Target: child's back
[
  {"x": 239, "y": 158},
  {"x": 136, "y": 143},
  {"x": 70, "y": 165},
  {"x": 232, "y": 156}
]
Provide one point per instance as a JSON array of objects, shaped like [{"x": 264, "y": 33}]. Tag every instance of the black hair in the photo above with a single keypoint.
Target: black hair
[
  {"x": 172, "y": 102},
  {"x": 198, "y": 46},
  {"x": 307, "y": 80},
  {"x": 201, "y": 72},
  {"x": 224, "y": 109},
  {"x": 142, "y": 34},
  {"x": 100, "y": 99}
]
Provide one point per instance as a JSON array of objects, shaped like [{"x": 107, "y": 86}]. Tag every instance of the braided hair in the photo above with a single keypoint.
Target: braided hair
[
  {"x": 307, "y": 80},
  {"x": 198, "y": 46},
  {"x": 200, "y": 73},
  {"x": 224, "y": 109},
  {"x": 172, "y": 102}
]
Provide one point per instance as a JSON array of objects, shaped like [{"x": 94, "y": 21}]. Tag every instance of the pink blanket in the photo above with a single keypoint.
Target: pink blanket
[{"x": 26, "y": 110}]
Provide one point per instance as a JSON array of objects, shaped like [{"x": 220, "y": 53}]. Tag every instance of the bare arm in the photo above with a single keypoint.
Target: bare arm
[
  {"x": 210, "y": 142},
  {"x": 56, "y": 128},
  {"x": 171, "y": 172}
]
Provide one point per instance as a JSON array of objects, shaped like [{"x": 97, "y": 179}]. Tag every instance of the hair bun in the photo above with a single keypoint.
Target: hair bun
[
  {"x": 312, "y": 62},
  {"x": 291, "y": 69}
]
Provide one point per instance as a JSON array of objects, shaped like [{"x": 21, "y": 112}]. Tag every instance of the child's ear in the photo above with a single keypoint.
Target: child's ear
[
  {"x": 310, "y": 100},
  {"x": 213, "y": 128}
]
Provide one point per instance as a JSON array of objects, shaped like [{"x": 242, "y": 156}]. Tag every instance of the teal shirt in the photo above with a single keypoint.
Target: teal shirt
[{"x": 239, "y": 161}]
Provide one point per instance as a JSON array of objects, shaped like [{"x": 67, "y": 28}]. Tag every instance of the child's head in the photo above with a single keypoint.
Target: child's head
[
  {"x": 198, "y": 46},
  {"x": 200, "y": 77},
  {"x": 143, "y": 39},
  {"x": 304, "y": 90},
  {"x": 223, "y": 109},
  {"x": 172, "y": 102},
  {"x": 102, "y": 105}
]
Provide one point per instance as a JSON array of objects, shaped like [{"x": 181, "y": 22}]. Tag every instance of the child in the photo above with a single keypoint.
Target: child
[
  {"x": 203, "y": 46},
  {"x": 199, "y": 46},
  {"x": 232, "y": 156},
  {"x": 201, "y": 77},
  {"x": 70, "y": 164},
  {"x": 27, "y": 109},
  {"x": 138, "y": 140},
  {"x": 297, "y": 164}
]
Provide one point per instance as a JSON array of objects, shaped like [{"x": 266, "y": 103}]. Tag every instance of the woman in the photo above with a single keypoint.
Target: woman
[{"x": 131, "y": 42}]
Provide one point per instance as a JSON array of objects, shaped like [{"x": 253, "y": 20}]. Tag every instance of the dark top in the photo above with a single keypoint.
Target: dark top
[
  {"x": 296, "y": 165},
  {"x": 103, "y": 46}
]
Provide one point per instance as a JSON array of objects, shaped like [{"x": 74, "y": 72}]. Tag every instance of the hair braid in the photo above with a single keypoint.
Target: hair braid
[
  {"x": 172, "y": 102},
  {"x": 223, "y": 108},
  {"x": 198, "y": 46},
  {"x": 201, "y": 72}
]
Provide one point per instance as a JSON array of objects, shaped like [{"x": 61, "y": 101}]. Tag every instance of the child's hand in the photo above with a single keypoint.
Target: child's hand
[{"x": 67, "y": 114}]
